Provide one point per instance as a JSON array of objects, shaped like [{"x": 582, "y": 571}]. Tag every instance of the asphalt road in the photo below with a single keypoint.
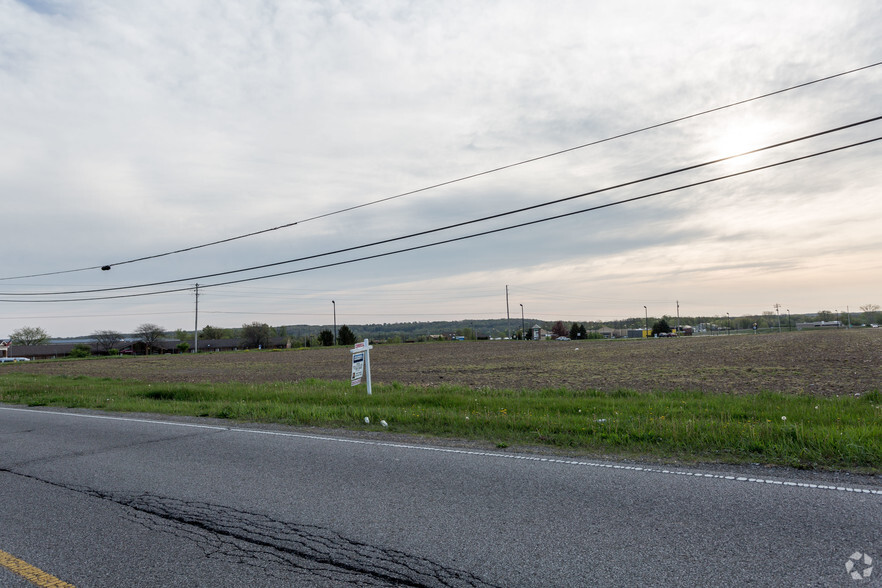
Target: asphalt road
[{"x": 117, "y": 501}]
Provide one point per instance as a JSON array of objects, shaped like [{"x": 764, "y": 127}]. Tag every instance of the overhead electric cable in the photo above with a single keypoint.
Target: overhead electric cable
[
  {"x": 451, "y": 226},
  {"x": 472, "y": 236},
  {"x": 453, "y": 181}
]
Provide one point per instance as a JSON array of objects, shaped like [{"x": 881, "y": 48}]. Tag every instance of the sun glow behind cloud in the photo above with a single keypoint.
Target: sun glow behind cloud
[{"x": 138, "y": 130}]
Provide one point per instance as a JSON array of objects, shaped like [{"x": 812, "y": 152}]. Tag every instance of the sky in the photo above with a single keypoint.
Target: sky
[{"x": 129, "y": 130}]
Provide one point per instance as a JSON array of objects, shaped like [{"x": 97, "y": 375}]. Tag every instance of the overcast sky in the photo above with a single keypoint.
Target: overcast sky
[{"x": 131, "y": 129}]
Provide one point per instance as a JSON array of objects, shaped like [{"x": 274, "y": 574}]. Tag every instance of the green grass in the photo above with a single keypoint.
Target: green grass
[{"x": 790, "y": 430}]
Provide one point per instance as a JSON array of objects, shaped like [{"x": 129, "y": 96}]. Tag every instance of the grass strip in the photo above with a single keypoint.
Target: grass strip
[{"x": 790, "y": 430}]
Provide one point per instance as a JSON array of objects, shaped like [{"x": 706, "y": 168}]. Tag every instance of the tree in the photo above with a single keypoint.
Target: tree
[
  {"x": 106, "y": 340},
  {"x": 559, "y": 330},
  {"x": 659, "y": 327},
  {"x": 209, "y": 332},
  {"x": 326, "y": 337},
  {"x": 183, "y": 347},
  {"x": 80, "y": 350},
  {"x": 28, "y": 336},
  {"x": 345, "y": 336},
  {"x": 583, "y": 333},
  {"x": 825, "y": 315},
  {"x": 149, "y": 334},
  {"x": 870, "y": 312},
  {"x": 255, "y": 335},
  {"x": 574, "y": 331}
]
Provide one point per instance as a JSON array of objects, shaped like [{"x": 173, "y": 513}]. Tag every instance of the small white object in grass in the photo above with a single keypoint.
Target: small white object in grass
[
  {"x": 384, "y": 423},
  {"x": 367, "y": 421}
]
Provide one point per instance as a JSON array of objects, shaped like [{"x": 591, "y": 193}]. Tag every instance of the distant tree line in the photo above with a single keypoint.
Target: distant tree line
[{"x": 257, "y": 335}]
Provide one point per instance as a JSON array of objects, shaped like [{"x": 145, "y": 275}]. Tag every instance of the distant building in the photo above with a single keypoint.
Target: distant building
[{"x": 819, "y": 325}]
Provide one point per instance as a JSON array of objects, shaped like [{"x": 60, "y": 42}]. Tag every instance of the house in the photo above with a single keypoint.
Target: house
[
  {"x": 4, "y": 348},
  {"x": 48, "y": 351},
  {"x": 218, "y": 345}
]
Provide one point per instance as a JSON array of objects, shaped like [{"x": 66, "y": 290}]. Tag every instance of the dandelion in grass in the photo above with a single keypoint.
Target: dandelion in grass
[{"x": 783, "y": 418}]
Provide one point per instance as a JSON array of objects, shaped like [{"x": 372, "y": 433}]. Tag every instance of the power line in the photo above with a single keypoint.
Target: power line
[
  {"x": 465, "y": 237},
  {"x": 453, "y": 181},
  {"x": 451, "y": 226}
]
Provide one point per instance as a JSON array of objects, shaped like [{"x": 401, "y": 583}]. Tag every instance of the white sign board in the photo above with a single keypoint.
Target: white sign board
[
  {"x": 361, "y": 363},
  {"x": 357, "y": 367}
]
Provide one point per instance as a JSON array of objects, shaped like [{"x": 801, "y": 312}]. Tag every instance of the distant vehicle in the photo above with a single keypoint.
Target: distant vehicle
[
  {"x": 562, "y": 339},
  {"x": 875, "y": 326},
  {"x": 13, "y": 359}
]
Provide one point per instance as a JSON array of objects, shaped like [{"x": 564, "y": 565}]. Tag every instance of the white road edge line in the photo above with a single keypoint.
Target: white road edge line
[{"x": 573, "y": 462}]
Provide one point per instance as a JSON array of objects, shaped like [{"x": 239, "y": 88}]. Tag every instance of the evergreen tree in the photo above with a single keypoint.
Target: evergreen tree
[
  {"x": 326, "y": 337},
  {"x": 345, "y": 336},
  {"x": 659, "y": 327}
]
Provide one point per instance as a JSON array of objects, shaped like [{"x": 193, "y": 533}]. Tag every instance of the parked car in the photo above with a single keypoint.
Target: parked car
[{"x": 13, "y": 359}]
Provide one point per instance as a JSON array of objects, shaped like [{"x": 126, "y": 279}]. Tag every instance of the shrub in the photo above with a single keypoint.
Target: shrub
[{"x": 81, "y": 350}]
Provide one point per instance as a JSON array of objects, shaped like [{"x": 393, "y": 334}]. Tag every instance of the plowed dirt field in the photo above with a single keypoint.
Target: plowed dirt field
[{"x": 825, "y": 363}]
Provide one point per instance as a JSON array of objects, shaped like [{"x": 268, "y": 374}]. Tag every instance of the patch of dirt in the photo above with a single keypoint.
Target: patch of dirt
[{"x": 827, "y": 363}]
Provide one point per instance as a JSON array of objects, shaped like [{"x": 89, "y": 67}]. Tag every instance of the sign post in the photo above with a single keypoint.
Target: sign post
[{"x": 361, "y": 364}]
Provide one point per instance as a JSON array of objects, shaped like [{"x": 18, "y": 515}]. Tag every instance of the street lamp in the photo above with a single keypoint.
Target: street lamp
[
  {"x": 729, "y": 324},
  {"x": 335, "y": 321},
  {"x": 788, "y": 320},
  {"x": 645, "y": 324},
  {"x": 523, "y": 328}
]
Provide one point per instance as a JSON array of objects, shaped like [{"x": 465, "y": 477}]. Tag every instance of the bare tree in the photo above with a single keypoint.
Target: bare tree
[
  {"x": 870, "y": 312},
  {"x": 29, "y": 336},
  {"x": 106, "y": 340},
  {"x": 149, "y": 334}
]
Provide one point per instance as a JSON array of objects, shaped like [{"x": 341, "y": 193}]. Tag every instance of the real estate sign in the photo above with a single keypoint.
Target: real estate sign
[{"x": 361, "y": 364}]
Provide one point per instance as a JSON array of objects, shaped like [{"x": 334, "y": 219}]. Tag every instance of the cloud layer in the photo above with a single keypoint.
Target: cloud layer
[{"x": 138, "y": 128}]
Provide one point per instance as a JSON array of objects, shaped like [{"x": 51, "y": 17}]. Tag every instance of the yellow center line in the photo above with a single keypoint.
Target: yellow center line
[{"x": 30, "y": 573}]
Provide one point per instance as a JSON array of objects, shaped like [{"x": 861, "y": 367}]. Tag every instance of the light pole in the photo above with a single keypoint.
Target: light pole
[
  {"x": 646, "y": 323},
  {"x": 788, "y": 320},
  {"x": 729, "y": 324},
  {"x": 507, "y": 313},
  {"x": 334, "y": 304},
  {"x": 523, "y": 328}
]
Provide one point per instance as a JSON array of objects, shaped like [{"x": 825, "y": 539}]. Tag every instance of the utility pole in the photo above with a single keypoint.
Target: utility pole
[
  {"x": 334, "y": 304},
  {"x": 777, "y": 307},
  {"x": 196, "y": 325},
  {"x": 678, "y": 317},
  {"x": 507, "y": 313}
]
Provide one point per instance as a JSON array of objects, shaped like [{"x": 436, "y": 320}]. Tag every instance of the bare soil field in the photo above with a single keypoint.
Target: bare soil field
[{"x": 825, "y": 363}]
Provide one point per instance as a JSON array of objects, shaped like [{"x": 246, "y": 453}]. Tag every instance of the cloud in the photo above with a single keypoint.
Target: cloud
[{"x": 133, "y": 129}]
